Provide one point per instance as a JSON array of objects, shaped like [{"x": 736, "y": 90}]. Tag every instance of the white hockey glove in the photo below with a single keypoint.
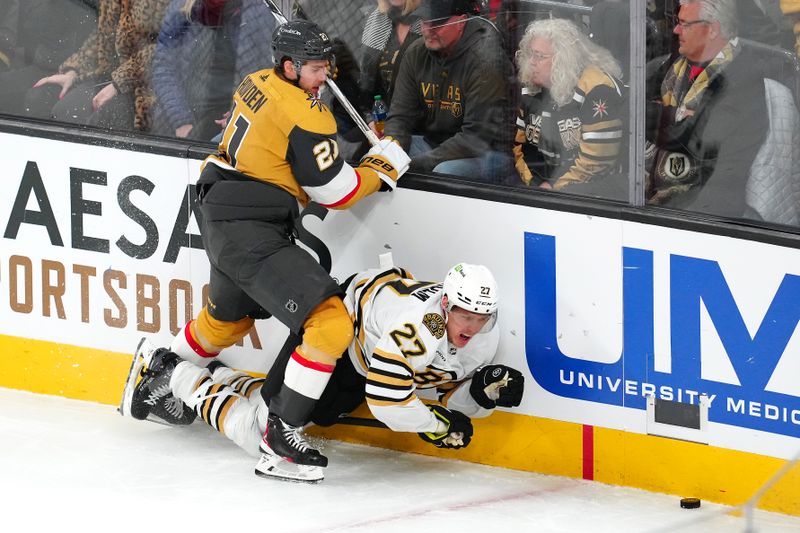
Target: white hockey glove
[
  {"x": 495, "y": 385},
  {"x": 389, "y": 160}
]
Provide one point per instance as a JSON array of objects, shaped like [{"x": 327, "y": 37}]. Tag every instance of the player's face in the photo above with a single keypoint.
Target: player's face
[
  {"x": 541, "y": 62},
  {"x": 313, "y": 75},
  {"x": 462, "y": 325}
]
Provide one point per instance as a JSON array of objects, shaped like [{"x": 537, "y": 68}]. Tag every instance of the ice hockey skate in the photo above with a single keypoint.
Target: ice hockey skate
[
  {"x": 151, "y": 398},
  {"x": 286, "y": 455}
]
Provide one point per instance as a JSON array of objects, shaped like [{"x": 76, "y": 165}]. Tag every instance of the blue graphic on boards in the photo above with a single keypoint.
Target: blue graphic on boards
[{"x": 694, "y": 283}]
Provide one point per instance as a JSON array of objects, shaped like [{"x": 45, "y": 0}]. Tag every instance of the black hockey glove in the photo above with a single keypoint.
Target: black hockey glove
[
  {"x": 459, "y": 429},
  {"x": 495, "y": 385}
]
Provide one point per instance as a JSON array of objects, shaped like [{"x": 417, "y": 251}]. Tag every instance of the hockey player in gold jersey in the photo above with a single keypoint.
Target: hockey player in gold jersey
[
  {"x": 279, "y": 149},
  {"x": 409, "y": 336}
]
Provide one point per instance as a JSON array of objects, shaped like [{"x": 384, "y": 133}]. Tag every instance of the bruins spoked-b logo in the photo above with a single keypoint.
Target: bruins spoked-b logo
[
  {"x": 435, "y": 324},
  {"x": 291, "y": 306}
]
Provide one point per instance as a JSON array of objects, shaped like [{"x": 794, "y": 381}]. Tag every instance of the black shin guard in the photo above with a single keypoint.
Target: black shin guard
[
  {"x": 292, "y": 407},
  {"x": 274, "y": 381}
]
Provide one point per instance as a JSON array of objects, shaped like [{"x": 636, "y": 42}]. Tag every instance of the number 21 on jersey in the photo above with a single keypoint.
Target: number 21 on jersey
[{"x": 240, "y": 125}]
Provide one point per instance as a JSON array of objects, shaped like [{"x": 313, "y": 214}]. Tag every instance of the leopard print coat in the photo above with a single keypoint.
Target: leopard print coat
[{"x": 121, "y": 50}]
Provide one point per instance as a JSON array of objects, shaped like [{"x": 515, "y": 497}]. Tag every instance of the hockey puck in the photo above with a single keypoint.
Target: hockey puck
[{"x": 690, "y": 503}]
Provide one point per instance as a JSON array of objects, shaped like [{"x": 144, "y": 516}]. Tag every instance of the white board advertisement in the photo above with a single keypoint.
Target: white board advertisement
[{"x": 101, "y": 247}]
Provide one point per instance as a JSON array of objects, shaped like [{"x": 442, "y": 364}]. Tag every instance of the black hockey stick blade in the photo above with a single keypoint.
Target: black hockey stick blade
[{"x": 363, "y": 422}]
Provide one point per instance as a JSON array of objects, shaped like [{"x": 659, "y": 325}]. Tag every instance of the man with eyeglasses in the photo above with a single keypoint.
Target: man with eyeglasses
[
  {"x": 707, "y": 116},
  {"x": 453, "y": 103},
  {"x": 408, "y": 336}
]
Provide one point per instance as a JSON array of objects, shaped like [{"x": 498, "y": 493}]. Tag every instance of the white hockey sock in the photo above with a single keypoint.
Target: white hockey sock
[
  {"x": 188, "y": 349},
  {"x": 220, "y": 406},
  {"x": 307, "y": 377},
  {"x": 184, "y": 381},
  {"x": 243, "y": 383}
]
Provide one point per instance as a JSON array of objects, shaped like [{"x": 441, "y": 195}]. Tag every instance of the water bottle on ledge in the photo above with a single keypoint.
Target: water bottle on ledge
[{"x": 379, "y": 111}]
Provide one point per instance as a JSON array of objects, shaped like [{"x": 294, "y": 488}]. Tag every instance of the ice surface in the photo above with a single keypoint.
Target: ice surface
[{"x": 81, "y": 466}]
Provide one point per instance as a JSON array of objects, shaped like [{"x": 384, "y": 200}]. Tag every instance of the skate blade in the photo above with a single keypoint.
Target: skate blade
[
  {"x": 141, "y": 357},
  {"x": 271, "y": 466},
  {"x": 130, "y": 384},
  {"x": 145, "y": 350}
]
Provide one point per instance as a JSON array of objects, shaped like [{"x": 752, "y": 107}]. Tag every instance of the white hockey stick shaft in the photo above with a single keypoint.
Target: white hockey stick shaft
[{"x": 355, "y": 115}]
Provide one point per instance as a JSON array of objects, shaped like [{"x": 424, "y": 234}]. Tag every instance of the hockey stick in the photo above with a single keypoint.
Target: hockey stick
[
  {"x": 357, "y": 118},
  {"x": 363, "y": 422},
  {"x": 372, "y": 423}
]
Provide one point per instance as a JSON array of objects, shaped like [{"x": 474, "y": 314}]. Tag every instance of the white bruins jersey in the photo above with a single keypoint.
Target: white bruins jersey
[{"x": 401, "y": 347}]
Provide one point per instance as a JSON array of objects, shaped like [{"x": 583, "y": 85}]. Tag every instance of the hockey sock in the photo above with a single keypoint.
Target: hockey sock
[
  {"x": 303, "y": 384},
  {"x": 189, "y": 349},
  {"x": 220, "y": 405},
  {"x": 242, "y": 383},
  {"x": 203, "y": 338}
]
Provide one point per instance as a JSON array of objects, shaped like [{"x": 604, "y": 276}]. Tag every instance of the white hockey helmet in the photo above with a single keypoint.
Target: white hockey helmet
[{"x": 472, "y": 288}]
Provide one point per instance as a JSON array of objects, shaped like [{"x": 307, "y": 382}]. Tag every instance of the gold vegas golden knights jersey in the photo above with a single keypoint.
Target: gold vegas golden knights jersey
[
  {"x": 280, "y": 134},
  {"x": 401, "y": 347},
  {"x": 573, "y": 143}
]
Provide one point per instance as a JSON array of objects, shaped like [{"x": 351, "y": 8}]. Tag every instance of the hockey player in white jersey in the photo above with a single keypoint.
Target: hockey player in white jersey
[{"x": 409, "y": 335}]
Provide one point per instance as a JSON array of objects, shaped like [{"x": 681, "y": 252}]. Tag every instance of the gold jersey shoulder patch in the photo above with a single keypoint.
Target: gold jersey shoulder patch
[{"x": 435, "y": 324}]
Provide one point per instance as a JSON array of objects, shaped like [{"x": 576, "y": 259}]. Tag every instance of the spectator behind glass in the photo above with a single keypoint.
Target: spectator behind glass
[
  {"x": 388, "y": 33},
  {"x": 106, "y": 82},
  {"x": 45, "y": 32},
  {"x": 205, "y": 49},
  {"x": 508, "y": 16},
  {"x": 791, "y": 8},
  {"x": 571, "y": 112},
  {"x": 343, "y": 20},
  {"x": 758, "y": 22},
  {"x": 9, "y": 22},
  {"x": 707, "y": 115},
  {"x": 453, "y": 98}
]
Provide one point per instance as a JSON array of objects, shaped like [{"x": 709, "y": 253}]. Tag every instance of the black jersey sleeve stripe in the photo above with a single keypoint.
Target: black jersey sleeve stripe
[
  {"x": 388, "y": 399},
  {"x": 386, "y": 360},
  {"x": 391, "y": 386}
]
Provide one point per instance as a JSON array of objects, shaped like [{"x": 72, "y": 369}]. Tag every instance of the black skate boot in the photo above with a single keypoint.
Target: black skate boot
[
  {"x": 286, "y": 455},
  {"x": 152, "y": 397}
]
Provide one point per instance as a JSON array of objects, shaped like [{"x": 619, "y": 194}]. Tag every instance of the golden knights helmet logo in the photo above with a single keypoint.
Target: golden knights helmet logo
[
  {"x": 674, "y": 168},
  {"x": 678, "y": 164}
]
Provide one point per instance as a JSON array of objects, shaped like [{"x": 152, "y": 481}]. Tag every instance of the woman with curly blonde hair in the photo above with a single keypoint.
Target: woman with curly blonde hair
[{"x": 570, "y": 121}]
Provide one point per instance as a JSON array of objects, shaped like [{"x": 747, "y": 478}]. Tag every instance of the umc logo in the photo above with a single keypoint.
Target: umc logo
[{"x": 697, "y": 289}]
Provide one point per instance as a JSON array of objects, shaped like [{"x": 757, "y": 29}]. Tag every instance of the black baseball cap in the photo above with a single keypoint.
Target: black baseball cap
[{"x": 440, "y": 10}]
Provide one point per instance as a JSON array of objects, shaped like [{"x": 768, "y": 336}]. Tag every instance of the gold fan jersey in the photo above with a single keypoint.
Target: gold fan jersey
[
  {"x": 576, "y": 142},
  {"x": 280, "y": 134},
  {"x": 401, "y": 346}
]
